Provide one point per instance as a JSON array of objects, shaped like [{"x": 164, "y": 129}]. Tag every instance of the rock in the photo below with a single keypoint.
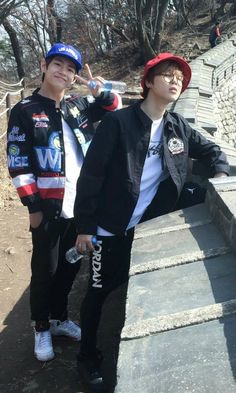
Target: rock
[
  {"x": 196, "y": 46},
  {"x": 10, "y": 250}
]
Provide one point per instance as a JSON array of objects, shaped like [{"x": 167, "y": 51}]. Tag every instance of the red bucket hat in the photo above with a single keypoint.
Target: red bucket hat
[{"x": 185, "y": 68}]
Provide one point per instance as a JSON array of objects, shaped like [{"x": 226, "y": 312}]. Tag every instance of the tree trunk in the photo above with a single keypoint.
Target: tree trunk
[
  {"x": 15, "y": 48},
  {"x": 234, "y": 8},
  {"x": 160, "y": 25},
  {"x": 104, "y": 27},
  {"x": 145, "y": 46},
  {"x": 55, "y": 23},
  {"x": 212, "y": 9}
]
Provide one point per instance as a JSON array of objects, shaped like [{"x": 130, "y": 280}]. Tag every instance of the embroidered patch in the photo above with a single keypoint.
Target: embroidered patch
[
  {"x": 54, "y": 141},
  {"x": 75, "y": 112},
  {"x": 14, "y": 150},
  {"x": 80, "y": 136},
  {"x": 39, "y": 117},
  {"x": 41, "y": 124},
  {"x": 176, "y": 146},
  {"x": 15, "y": 161},
  {"x": 15, "y": 135}
]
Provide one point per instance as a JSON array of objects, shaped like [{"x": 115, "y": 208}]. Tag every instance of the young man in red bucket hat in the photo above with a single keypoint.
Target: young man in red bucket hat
[{"x": 135, "y": 169}]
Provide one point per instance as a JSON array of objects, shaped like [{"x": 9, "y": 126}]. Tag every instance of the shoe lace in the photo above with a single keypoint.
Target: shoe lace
[
  {"x": 71, "y": 326},
  {"x": 45, "y": 339}
]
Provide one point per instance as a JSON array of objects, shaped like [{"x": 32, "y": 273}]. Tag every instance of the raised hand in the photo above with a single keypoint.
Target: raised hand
[{"x": 93, "y": 83}]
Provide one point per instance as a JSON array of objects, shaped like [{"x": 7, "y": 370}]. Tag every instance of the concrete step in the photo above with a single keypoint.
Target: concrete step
[
  {"x": 180, "y": 329},
  {"x": 180, "y": 288},
  {"x": 197, "y": 359}
]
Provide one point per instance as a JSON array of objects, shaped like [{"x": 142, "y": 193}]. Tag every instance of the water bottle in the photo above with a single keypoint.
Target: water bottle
[
  {"x": 73, "y": 255},
  {"x": 117, "y": 86}
]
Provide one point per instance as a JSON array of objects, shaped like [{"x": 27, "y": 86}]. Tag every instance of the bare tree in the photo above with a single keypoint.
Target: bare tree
[
  {"x": 7, "y": 6},
  {"x": 150, "y": 16},
  {"x": 234, "y": 7},
  {"x": 15, "y": 47},
  {"x": 182, "y": 8},
  {"x": 96, "y": 26},
  {"x": 115, "y": 22},
  {"x": 28, "y": 24},
  {"x": 54, "y": 23},
  {"x": 212, "y": 9}
]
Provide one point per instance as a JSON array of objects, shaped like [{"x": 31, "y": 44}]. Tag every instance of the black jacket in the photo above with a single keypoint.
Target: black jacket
[
  {"x": 109, "y": 183},
  {"x": 35, "y": 147}
]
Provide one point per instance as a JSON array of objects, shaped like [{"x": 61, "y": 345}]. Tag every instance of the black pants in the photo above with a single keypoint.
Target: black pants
[
  {"x": 110, "y": 268},
  {"x": 52, "y": 276}
]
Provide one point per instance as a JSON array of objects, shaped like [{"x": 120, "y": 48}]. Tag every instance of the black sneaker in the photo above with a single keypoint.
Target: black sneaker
[{"x": 90, "y": 373}]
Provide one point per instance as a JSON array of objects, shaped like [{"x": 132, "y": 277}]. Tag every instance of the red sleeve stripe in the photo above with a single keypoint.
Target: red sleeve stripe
[
  {"x": 27, "y": 190},
  {"x": 51, "y": 193},
  {"x": 114, "y": 104}
]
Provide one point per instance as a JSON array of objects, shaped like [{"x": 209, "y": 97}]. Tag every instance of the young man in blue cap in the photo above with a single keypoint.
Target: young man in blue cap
[
  {"x": 134, "y": 172},
  {"x": 48, "y": 135}
]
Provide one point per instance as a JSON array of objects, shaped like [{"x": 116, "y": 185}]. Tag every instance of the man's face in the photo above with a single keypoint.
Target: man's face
[
  {"x": 59, "y": 73},
  {"x": 166, "y": 85}
]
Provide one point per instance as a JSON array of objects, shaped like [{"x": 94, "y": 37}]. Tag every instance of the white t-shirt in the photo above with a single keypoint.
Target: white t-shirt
[
  {"x": 151, "y": 177},
  {"x": 73, "y": 164}
]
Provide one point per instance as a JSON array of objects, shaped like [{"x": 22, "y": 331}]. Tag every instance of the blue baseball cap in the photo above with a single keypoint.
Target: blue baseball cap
[{"x": 67, "y": 51}]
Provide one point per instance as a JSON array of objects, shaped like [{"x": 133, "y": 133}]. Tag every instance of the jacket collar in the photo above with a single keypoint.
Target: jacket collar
[
  {"x": 145, "y": 119},
  {"x": 170, "y": 121},
  {"x": 46, "y": 100}
]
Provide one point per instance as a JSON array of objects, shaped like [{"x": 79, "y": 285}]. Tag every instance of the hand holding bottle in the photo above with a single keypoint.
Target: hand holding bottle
[
  {"x": 87, "y": 244},
  {"x": 117, "y": 86},
  {"x": 98, "y": 84},
  {"x": 93, "y": 83}
]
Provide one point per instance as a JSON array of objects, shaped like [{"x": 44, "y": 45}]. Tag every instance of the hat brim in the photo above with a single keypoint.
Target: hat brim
[
  {"x": 77, "y": 65},
  {"x": 184, "y": 66}
]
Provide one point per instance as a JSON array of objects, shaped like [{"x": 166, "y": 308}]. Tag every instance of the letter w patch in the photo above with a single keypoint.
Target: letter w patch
[{"x": 49, "y": 159}]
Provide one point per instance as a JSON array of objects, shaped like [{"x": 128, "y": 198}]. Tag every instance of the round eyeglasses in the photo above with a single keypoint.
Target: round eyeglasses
[{"x": 170, "y": 77}]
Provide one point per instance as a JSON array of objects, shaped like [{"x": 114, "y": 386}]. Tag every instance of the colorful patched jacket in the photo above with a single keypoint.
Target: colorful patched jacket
[{"x": 35, "y": 146}]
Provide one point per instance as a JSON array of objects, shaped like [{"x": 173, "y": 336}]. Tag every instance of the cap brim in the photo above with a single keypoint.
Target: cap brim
[
  {"x": 185, "y": 68},
  {"x": 77, "y": 66}
]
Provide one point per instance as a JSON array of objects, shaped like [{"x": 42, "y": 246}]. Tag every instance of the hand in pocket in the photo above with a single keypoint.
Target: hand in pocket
[{"x": 35, "y": 219}]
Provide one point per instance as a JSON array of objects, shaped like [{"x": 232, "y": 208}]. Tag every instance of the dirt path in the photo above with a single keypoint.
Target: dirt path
[{"x": 19, "y": 371}]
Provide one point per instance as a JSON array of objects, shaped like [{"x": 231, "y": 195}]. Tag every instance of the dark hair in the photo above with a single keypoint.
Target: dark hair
[
  {"x": 48, "y": 61},
  {"x": 157, "y": 70}
]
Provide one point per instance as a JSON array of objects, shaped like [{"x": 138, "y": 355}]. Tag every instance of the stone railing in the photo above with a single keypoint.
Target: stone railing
[
  {"x": 220, "y": 200},
  {"x": 210, "y": 70}
]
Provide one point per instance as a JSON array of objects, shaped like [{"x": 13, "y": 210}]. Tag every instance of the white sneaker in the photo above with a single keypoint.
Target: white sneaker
[
  {"x": 65, "y": 328},
  {"x": 43, "y": 349}
]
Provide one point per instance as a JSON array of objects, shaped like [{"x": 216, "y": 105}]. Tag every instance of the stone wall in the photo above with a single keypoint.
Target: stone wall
[
  {"x": 224, "y": 103},
  {"x": 209, "y": 103},
  {"x": 212, "y": 75}
]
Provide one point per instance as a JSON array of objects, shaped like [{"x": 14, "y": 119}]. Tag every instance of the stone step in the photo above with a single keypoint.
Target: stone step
[
  {"x": 178, "y": 242},
  {"x": 180, "y": 328},
  {"x": 163, "y": 323},
  {"x": 197, "y": 359},
  {"x": 181, "y": 288}
]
